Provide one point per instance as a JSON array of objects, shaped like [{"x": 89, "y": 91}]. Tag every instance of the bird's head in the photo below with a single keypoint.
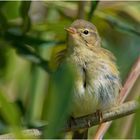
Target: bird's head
[{"x": 82, "y": 32}]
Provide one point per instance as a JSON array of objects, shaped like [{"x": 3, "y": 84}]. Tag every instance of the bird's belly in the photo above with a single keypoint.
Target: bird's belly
[
  {"x": 99, "y": 95},
  {"x": 83, "y": 106},
  {"x": 84, "y": 103},
  {"x": 96, "y": 88}
]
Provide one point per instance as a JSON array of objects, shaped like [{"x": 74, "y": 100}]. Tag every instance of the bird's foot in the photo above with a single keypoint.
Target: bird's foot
[{"x": 99, "y": 115}]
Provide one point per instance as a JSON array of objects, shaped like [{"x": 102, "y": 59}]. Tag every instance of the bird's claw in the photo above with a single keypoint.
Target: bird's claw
[{"x": 99, "y": 115}]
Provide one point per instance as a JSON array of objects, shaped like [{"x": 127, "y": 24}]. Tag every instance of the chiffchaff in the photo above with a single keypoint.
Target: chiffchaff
[{"x": 97, "y": 81}]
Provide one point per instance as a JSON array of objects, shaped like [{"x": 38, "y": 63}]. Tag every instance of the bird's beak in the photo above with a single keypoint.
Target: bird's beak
[{"x": 71, "y": 30}]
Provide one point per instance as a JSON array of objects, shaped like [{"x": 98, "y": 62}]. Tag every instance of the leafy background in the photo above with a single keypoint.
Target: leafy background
[{"x": 31, "y": 33}]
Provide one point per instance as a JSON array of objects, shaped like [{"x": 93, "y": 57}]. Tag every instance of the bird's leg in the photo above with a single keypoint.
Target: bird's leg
[{"x": 99, "y": 115}]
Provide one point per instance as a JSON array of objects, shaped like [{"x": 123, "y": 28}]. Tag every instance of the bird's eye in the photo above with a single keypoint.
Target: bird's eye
[{"x": 86, "y": 32}]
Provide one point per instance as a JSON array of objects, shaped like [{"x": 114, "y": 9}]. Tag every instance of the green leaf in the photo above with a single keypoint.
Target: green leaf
[
  {"x": 37, "y": 86},
  {"x": 10, "y": 9},
  {"x": 24, "y": 10},
  {"x": 116, "y": 23},
  {"x": 29, "y": 53},
  {"x": 58, "y": 100},
  {"x": 2, "y": 3},
  {"x": 11, "y": 114},
  {"x": 92, "y": 8},
  {"x": 3, "y": 22},
  {"x": 14, "y": 36}
]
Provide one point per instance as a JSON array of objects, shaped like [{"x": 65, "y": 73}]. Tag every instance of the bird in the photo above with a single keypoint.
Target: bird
[{"x": 97, "y": 79}]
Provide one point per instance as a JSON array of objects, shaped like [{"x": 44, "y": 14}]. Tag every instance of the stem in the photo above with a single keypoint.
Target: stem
[{"x": 81, "y": 9}]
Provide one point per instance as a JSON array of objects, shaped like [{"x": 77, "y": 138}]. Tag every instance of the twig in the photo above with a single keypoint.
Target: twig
[
  {"x": 29, "y": 132},
  {"x": 81, "y": 9},
  {"x": 133, "y": 76},
  {"x": 88, "y": 121},
  {"x": 93, "y": 119}
]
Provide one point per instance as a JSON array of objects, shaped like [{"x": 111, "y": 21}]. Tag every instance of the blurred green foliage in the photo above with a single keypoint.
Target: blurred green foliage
[
  {"x": 29, "y": 33},
  {"x": 58, "y": 100}
]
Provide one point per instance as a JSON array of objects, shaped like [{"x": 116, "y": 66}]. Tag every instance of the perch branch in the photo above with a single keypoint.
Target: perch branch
[
  {"x": 89, "y": 120},
  {"x": 93, "y": 119},
  {"x": 133, "y": 76}
]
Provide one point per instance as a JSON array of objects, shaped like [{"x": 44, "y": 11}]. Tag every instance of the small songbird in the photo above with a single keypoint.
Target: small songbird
[{"x": 97, "y": 81}]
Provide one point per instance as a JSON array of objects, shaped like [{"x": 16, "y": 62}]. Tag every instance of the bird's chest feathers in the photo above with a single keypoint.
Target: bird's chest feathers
[
  {"x": 94, "y": 82},
  {"x": 85, "y": 73},
  {"x": 84, "y": 65},
  {"x": 80, "y": 56}
]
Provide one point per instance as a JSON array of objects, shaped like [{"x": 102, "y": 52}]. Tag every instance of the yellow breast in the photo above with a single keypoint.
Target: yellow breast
[{"x": 102, "y": 82}]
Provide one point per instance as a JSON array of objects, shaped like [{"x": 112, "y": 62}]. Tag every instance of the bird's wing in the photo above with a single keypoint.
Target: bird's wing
[
  {"x": 58, "y": 55},
  {"x": 109, "y": 54}
]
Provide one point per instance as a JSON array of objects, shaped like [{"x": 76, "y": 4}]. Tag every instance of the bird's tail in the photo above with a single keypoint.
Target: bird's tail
[{"x": 80, "y": 134}]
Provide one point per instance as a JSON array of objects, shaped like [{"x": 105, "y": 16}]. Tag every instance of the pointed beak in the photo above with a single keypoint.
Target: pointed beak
[{"x": 71, "y": 30}]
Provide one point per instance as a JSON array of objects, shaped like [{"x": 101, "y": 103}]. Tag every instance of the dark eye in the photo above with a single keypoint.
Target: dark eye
[{"x": 86, "y": 32}]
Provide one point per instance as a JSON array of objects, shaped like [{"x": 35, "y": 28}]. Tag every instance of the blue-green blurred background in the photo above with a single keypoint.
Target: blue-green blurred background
[{"x": 31, "y": 33}]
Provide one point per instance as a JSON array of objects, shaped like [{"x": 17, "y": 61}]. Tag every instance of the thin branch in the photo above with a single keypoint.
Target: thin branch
[
  {"x": 34, "y": 133},
  {"x": 132, "y": 77},
  {"x": 93, "y": 119},
  {"x": 81, "y": 9},
  {"x": 87, "y": 121}
]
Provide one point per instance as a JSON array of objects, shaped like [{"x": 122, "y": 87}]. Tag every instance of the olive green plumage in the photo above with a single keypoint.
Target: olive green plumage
[
  {"x": 97, "y": 82},
  {"x": 97, "y": 78}
]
